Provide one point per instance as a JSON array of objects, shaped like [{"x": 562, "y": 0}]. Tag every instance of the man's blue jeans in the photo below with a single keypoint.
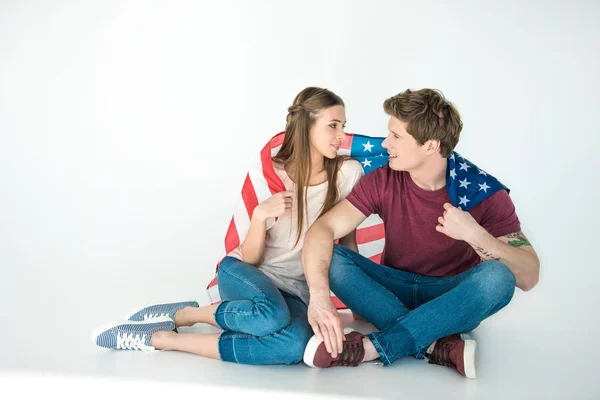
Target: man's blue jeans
[
  {"x": 262, "y": 325},
  {"x": 412, "y": 311}
]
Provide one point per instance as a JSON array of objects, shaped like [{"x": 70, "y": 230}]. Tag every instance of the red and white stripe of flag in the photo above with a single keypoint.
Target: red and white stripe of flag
[{"x": 261, "y": 183}]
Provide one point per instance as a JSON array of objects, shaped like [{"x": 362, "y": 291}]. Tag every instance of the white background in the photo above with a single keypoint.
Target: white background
[{"x": 126, "y": 128}]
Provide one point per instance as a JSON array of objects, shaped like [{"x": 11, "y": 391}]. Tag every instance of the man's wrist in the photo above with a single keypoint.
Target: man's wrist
[
  {"x": 479, "y": 237},
  {"x": 320, "y": 291}
]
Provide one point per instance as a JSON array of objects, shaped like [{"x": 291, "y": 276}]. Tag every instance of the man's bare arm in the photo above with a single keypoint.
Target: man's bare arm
[
  {"x": 323, "y": 317},
  {"x": 340, "y": 221},
  {"x": 349, "y": 241},
  {"x": 515, "y": 251}
]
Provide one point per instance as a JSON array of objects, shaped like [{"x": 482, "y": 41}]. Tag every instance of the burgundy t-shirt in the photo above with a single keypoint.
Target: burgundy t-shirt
[{"x": 410, "y": 216}]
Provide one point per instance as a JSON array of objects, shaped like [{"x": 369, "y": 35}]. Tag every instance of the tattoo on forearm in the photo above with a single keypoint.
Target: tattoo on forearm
[
  {"x": 518, "y": 239},
  {"x": 488, "y": 256}
]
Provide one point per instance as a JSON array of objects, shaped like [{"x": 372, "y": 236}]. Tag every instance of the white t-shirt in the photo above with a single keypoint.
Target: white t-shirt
[{"x": 282, "y": 261}]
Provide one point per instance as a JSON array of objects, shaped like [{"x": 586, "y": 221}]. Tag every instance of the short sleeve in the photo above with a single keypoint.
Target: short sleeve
[
  {"x": 500, "y": 217},
  {"x": 365, "y": 195},
  {"x": 350, "y": 173}
]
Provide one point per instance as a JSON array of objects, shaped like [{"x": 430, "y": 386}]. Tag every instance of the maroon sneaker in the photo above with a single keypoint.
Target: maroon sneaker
[
  {"x": 455, "y": 351},
  {"x": 353, "y": 352}
]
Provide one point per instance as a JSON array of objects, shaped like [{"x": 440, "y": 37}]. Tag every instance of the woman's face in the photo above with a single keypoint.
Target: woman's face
[{"x": 327, "y": 133}]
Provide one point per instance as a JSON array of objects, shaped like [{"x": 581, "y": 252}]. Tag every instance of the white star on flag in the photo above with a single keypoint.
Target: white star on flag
[
  {"x": 368, "y": 146},
  {"x": 366, "y": 163},
  {"x": 464, "y": 183},
  {"x": 452, "y": 156},
  {"x": 482, "y": 172},
  {"x": 484, "y": 187},
  {"x": 453, "y": 173},
  {"x": 463, "y": 165},
  {"x": 463, "y": 200}
]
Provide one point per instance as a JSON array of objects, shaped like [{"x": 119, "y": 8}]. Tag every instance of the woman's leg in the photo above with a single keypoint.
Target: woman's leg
[
  {"x": 243, "y": 287},
  {"x": 282, "y": 347},
  {"x": 189, "y": 316},
  {"x": 205, "y": 345},
  {"x": 251, "y": 304}
]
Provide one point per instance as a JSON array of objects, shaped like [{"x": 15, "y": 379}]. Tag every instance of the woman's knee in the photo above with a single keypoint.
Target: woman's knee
[
  {"x": 270, "y": 317},
  {"x": 295, "y": 338},
  {"x": 227, "y": 268}
]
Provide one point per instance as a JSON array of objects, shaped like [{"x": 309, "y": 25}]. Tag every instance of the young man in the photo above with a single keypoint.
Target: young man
[{"x": 444, "y": 269}]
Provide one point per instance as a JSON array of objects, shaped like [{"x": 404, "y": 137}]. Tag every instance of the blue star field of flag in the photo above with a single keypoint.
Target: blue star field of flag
[
  {"x": 467, "y": 184},
  {"x": 368, "y": 151}
]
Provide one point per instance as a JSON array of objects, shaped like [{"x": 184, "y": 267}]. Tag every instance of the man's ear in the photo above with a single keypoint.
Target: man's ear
[{"x": 432, "y": 146}]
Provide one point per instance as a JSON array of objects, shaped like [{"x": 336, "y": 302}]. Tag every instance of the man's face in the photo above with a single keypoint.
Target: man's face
[{"x": 405, "y": 152}]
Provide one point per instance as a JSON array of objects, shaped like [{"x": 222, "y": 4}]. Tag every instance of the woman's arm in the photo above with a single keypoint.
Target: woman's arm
[{"x": 253, "y": 246}]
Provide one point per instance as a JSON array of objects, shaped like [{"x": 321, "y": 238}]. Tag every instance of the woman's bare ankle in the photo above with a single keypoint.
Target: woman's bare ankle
[
  {"x": 181, "y": 317},
  {"x": 189, "y": 316},
  {"x": 160, "y": 339}
]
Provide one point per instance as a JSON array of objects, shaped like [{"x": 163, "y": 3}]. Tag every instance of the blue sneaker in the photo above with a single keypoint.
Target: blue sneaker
[
  {"x": 129, "y": 335},
  {"x": 159, "y": 310}
]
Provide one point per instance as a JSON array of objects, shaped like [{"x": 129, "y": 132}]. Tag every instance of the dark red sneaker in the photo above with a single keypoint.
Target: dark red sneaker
[
  {"x": 353, "y": 352},
  {"x": 455, "y": 351}
]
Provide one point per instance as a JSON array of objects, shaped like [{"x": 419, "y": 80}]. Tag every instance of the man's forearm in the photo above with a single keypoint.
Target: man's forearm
[
  {"x": 349, "y": 241},
  {"x": 316, "y": 257},
  {"x": 524, "y": 264}
]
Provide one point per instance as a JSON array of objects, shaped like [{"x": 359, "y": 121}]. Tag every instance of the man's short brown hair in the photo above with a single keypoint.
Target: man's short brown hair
[{"x": 428, "y": 116}]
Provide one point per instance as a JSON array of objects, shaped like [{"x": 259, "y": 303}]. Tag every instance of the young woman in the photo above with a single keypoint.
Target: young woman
[{"x": 264, "y": 294}]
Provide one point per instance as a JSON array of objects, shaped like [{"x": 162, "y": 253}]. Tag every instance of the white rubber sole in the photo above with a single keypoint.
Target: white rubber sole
[
  {"x": 312, "y": 346},
  {"x": 311, "y": 349},
  {"x": 470, "y": 356},
  {"x": 102, "y": 328}
]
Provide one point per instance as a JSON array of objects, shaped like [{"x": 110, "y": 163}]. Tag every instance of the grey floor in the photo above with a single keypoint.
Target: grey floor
[
  {"x": 111, "y": 194},
  {"x": 522, "y": 354}
]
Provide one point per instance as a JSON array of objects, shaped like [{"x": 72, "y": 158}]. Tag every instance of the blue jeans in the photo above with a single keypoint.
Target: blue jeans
[
  {"x": 261, "y": 324},
  {"x": 412, "y": 311}
]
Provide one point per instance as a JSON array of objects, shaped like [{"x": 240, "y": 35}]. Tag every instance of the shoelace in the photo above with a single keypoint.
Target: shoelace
[
  {"x": 441, "y": 354},
  {"x": 149, "y": 317},
  {"x": 352, "y": 354},
  {"x": 133, "y": 341}
]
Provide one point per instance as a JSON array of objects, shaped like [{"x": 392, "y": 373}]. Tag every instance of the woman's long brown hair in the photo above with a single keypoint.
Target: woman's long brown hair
[{"x": 295, "y": 150}]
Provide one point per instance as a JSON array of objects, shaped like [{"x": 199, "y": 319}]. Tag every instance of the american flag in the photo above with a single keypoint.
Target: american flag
[
  {"x": 467, "y": 184},
  {"x": 262, "y": 182}
]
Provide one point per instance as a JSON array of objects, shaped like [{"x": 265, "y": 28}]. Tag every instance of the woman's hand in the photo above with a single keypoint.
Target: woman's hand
[{"x": 274, "y": 206}]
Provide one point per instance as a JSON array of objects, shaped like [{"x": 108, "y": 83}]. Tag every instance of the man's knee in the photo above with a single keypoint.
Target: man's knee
[
  {"x": 340, "y": 262},
  {"x": 340, "y": 253},
  {"x": 494, "y": 282},
  {"x": 340, "y": 259}
]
